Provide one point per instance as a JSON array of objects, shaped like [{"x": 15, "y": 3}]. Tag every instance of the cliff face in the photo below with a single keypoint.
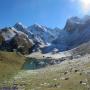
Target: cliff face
[{"x": 76, "y": 32}]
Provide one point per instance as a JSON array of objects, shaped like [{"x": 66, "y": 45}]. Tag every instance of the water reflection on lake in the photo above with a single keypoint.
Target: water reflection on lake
[{"x": 32, "y": 63}]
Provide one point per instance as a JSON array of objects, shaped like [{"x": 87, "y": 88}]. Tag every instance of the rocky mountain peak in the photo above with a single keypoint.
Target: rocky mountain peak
[
  {"x": 38, "y": 27},
  {"x": 20, "y": 24}
]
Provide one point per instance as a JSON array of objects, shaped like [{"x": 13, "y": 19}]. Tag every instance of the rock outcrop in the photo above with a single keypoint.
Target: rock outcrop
[{"x": 13, "y": 40}]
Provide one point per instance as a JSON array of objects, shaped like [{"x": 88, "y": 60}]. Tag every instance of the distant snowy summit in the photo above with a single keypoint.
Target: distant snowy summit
[{"x": 38, "y": 32}]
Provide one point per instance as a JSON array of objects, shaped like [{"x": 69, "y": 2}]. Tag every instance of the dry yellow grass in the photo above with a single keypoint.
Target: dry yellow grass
[{"x": 10, "y": 63}]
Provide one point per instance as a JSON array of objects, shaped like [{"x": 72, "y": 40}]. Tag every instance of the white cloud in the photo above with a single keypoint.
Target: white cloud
[{"x": 84, "y": 5}]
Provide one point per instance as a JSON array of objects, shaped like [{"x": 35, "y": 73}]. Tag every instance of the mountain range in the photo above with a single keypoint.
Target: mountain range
[{"x": 28, "y": 39}]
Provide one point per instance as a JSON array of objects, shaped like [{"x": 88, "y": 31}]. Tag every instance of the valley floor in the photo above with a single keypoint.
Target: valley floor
[
  {"x": 69, "y": 75},
  {"x": 39, "y": 55}
]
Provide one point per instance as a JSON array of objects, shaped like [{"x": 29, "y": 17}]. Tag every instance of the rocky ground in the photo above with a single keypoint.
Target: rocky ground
[
  {"x": 57, "y": 55},
  {"x": 68, "y": 75}
]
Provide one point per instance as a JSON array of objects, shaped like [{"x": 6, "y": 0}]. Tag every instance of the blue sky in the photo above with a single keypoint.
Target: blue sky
[{"x": 52, "y": 13}]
